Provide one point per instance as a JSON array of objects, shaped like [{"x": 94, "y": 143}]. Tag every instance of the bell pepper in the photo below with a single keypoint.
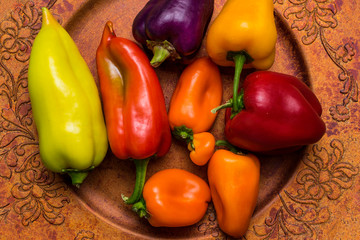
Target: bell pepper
[
  {"x": 201, "y": 148},
  {"x": 65, "y": 103},
  {"x": 197, "y": 92},
  {"x": 174, "y": 198},
  {"x": 172, "y": 28},
  {"x": 279, "y": 113},
  {"x": 234, "y": 185},
  {"x": 134, "y": 105},
  {"x": 243, "y": 35}
]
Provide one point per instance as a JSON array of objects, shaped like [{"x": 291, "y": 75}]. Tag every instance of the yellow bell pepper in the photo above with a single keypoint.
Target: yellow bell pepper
[
  {"x": 65, "y": 103},
  {"x": 243, "y": 35},
  {"x": 243, "y": 26}
]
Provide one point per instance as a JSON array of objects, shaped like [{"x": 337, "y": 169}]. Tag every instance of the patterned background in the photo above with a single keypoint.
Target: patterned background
[{"x": 321, "y": 201}]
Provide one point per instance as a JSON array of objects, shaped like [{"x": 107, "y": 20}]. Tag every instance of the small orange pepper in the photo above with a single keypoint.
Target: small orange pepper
[
  {"x": 174, "y": 198},
  {"x": 234, "y": 185},
  {"x": 201, "y": 148},
  {"x": 197, "y": 92}
]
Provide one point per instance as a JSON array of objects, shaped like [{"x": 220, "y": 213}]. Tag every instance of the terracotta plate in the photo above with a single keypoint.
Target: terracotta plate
[{"x": 310, "y": 194}]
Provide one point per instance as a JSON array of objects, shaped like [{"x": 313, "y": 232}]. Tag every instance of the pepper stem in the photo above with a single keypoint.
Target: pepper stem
[
  {"x": 239, "y": 60},
  {"x": 235, "y": 102},
  {"x": 229, "y": 146},
  {"x": 162, "y": 51},
  {"x": 183, "y": 133},
  {"x": 141, "y": 166},
  {"x": 77, "y": 176},
  {"x": 226, "y": 144},
  {"x": 140, "y": 208},
  {"x": 160, "y": 55},
  {"x": 228, "y": 104}
]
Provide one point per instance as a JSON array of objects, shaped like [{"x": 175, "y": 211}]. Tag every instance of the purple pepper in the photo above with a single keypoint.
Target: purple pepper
[{"x": 172, "y": 28}]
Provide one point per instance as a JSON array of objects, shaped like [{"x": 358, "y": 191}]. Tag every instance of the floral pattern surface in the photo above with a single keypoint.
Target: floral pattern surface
[
  {"x": 34, "y": 195},
  {"x": 36, "y": 191},
  {"x": 313, "y": 17},
  {"x": 325, "y": 175}
]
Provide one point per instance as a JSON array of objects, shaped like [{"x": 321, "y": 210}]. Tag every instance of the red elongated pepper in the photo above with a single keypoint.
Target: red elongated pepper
[
  {"x": 279, "y": 113},
  {"x": 134, "y": 105}
]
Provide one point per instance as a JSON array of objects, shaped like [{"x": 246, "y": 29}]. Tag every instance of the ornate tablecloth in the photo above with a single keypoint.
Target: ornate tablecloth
[{"x": 318, "y": 199}]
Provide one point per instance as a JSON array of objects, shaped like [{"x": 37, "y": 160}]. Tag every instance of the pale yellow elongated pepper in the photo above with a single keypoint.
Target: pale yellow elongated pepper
[{"x": 65, "y": 103}]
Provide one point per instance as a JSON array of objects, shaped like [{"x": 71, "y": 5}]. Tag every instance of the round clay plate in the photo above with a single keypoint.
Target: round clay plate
[{"x": 309, "y": 194}]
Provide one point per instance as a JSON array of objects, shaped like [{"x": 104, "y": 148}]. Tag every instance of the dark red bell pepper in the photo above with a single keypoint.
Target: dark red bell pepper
[
  {"x": 134, "y": 105},
  {"x": 277, "y": 113}
]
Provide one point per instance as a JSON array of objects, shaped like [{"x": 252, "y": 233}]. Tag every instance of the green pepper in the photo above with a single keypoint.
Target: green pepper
[{"x": 65, "y": 103}]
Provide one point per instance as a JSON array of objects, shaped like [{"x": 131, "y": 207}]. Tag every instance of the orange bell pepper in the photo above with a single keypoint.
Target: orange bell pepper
[
  {"x": 201, "y": 148},
  {"x": 197, "y": 92},
  {"x": 234, "y": 184},
  {"x": 174, "y": 198}
]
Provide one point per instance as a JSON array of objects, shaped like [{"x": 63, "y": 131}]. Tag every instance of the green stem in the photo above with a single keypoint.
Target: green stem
[
  {"x": 228, "y": 104},
  {"x": 239, "y": 60},
  {"x": 140, "y": 208},
  {"x": 183, "y": 133},
  {"x": 230, "y": 147},
  {"x": 141, "y": 166},
  {"x": 160, "y": 55},
  {"x": 226, "y": 144},
  {"x": 77, "y": 176},
  {"x": 162, "y": 50}
]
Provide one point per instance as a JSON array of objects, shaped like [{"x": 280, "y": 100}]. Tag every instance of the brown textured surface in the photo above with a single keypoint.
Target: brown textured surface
[{"x": 313, "y": 194}]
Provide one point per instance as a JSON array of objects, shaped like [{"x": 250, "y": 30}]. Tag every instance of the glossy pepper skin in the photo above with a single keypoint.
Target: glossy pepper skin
[
  {"x": 134, "y": 105},
  {"x": 197, "y": 92},
  {"x": 280, "y": 114},
  {"x": 201, "y": 148},
  {"x": 244, "y": 32},
  {"x": 243, "y": 26},
  {"x": 65, "y": 103},
  {"x": 175, "y": 198},
  {"x": 234, "y": 185},
  {"x": 172, "y": 28}
]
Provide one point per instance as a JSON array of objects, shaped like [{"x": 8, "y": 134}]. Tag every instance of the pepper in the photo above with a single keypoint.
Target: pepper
[
  {"x": 65, "y": 103},
  {"x": 279, "y": 113},
  {"x": 234, "y": 185},
  {"x": 172, "y": 28},
  {"x": 197, "y": 92},
  {"x": 134, "y": 105},
  {"x": 244, "y": 32},
  {"x": 174, "y": 198},
  {"x": 201, "y": 148}
]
